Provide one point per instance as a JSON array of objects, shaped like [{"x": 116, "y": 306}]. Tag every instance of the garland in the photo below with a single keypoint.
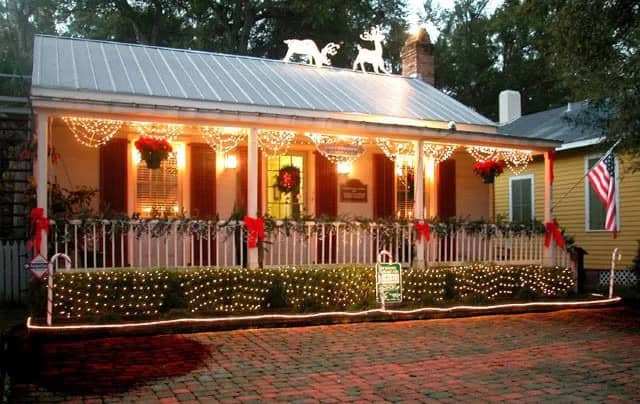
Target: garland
[{"x": 289, "y": 179}]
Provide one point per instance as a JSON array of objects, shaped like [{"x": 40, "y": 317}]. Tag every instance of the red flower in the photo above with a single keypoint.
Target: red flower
[{"x": 489, "y": 169}]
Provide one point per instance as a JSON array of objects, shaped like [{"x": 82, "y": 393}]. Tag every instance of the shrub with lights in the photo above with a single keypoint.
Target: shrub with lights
[{"x": 163, "y": 293}]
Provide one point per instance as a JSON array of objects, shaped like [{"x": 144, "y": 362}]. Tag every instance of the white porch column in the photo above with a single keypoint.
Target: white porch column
[
  {"x": 252, "y": 189},
  {"x": 549, "y": 254},
  {"x": 42, "y": 133},
  {"x": 418, "y": 203}
]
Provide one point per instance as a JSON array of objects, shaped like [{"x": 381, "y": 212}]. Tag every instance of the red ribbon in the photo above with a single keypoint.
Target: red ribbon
[
  {"x": 553, "y": 231},
  {"x": 423, "y": 231},
  {"x": 39, "y": 223},
  {"x": 255, "y": 227}
]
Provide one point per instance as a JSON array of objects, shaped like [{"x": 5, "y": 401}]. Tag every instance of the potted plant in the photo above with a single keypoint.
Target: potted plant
[
  {"x": 153, "y": 151},
  {"x": 488, "y": 169}
]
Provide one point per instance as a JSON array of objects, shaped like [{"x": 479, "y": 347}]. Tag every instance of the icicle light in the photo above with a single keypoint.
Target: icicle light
[
  {"x": 223, "y": 140},
  {"x": 438, "y": 152},
  {"x": 166, "y": 131},
  {"x": 275, "y": 142}
]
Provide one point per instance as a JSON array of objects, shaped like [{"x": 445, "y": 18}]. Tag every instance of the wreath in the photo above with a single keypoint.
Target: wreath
[
  {"x": 288, "y": 179},
  {"x": 488, "y": 169}
]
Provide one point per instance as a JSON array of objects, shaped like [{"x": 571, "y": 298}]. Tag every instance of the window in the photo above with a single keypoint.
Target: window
[
  {"x": 284, "y": 205},
  {"x": 404, "y": 191},
  {"x": 521, "y": 199},
  {"x": 596, "y": 212},
  {"x": 157, "y": 190}
]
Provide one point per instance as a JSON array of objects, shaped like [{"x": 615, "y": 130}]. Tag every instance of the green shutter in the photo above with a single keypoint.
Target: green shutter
[
  {"x": 521, "y": 200},
  {"x": 597, "y": 210}
]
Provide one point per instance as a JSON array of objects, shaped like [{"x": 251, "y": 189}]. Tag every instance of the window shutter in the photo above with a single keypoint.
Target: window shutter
[
  {"x": 242, "y": 178},
  {"x": 114, "y": 176},
  {"x": 114, "y": 160},
  {"x": 447, "y": 189},
  {"x": 383, "y": 189},
  {"x": 326, "y": 187},
  {"x": 203, "y": 181}
]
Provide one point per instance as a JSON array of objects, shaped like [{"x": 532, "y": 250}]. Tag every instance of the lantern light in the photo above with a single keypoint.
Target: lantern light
[{"x": 231, "y": 161}]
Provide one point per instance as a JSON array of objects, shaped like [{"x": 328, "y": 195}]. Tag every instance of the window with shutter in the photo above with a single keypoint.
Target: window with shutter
[
  {"x": 157, "y": 189},
  {"x": 521, "y": 198}
]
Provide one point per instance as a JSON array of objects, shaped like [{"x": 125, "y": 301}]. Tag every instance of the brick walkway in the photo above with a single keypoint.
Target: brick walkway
[{"x": 565, "y": 356}]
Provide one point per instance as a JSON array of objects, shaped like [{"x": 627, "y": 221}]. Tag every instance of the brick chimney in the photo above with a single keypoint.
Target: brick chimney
[{"x": 417, "y": 57}]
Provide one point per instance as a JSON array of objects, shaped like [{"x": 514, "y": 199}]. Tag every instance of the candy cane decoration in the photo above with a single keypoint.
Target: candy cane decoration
[{"x": 53, "y": 270}]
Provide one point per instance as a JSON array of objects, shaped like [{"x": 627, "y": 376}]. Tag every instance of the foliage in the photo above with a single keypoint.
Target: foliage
[
  {"x": 252, "y": 27},
  {"x": 127, "y": 294}
]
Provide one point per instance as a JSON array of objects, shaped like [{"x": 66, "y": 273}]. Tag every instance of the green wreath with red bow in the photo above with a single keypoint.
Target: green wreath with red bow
[{"x": 288, "y": 179}]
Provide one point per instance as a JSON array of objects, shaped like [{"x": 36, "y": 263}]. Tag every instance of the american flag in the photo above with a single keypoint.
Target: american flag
[{"x": 602, "y": 178}]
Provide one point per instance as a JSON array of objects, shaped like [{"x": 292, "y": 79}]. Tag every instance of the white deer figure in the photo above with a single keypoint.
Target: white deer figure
[
  {"x": 373, "y": 57},
  {"x": 309, "y": 48}
]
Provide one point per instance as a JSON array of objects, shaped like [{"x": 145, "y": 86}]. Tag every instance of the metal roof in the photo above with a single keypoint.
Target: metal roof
[
  {"x": 89, "y": 67},
  {"x": 567, "y": 124}
]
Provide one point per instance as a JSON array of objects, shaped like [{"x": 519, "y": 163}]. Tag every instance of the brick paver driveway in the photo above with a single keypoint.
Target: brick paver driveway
[{"x": 565, "y": 356}]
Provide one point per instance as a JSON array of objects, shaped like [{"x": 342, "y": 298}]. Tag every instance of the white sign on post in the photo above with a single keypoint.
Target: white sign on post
[
  {"x": 39, "y": 266},
  {"x": 388, "y": 280}
]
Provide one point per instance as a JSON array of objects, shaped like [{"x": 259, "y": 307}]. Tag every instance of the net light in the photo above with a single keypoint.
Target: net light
[
  {"x": 438, "y": 152},
  {"x": 92, "y": 132},
  {"x": 159, "y": 131},
  {"x": 274, "y": 142},
  {"x": 223, "y": 139},
  {"x": 396, "y": 150},
  {"x": 516, "y": 160},
  {"x": 338, "y": 148}
]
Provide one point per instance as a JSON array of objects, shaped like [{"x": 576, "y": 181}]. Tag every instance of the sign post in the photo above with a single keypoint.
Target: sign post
[{"x": 388, "y": 280}]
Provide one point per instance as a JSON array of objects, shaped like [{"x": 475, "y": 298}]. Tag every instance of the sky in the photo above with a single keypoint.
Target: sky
[{"x": 416, "y": 7}]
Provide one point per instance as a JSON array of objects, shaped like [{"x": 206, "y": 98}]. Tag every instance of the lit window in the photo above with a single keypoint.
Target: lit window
[
  {"x": 280, "y": 204},
  {"x": 157, "y": 189},
  {"x": 404, "y": 191}
]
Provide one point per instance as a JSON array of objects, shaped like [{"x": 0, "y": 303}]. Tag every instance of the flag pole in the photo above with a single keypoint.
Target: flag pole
[{"x": 604, "y": 156}]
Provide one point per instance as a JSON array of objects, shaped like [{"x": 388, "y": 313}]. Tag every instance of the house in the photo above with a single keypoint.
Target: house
[
  {"x": 252, "y": 136},
  {"x": 577, "y": 208}
]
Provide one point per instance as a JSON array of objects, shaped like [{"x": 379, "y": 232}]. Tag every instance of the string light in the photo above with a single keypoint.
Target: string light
[
  {"x": 517, "y": 160},
  {"x": 92, "y": 132},
  {"x": 394, "y": 149},
  {"x": 343, "y": 149},
  {"x": 223, "y": 140},
  {"x": 155, "y": 130},
  {"x": 483, "y": 153},
  {"x": 275, "y": 142},
  {"x": 438, "y": 152},
  {"x": 141, "y": 294}
]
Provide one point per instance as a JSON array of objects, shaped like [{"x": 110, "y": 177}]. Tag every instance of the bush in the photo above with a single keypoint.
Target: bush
[{"x": 163, "y": 293}]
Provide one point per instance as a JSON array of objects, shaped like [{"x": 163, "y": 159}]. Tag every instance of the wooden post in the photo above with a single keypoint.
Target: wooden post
[
  {"x": 252, "y": 189},
  {"x": 418, "y": 201},
  {"x": 549, "y": 254},
  {"x": 42, "y": 132}
]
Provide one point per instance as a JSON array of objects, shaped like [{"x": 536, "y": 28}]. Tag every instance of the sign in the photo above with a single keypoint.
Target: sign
[
  {"x": 341, "y": 151},
  {"x": 389, "y": 282},
  {"x": 39, "y": 266},
  {"x": 353, "y": 191}
]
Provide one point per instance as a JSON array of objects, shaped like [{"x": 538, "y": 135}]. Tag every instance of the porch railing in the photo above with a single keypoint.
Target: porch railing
[{"x": 152, "y": 243}]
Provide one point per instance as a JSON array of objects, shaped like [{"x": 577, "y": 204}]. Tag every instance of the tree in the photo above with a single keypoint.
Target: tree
[{"x": 595, "y": 43}]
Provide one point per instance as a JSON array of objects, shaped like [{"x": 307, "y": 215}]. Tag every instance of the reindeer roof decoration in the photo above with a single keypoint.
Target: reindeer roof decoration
[
  {"x": 308, "y": 48},
  {"x": 373, "y": 57}
]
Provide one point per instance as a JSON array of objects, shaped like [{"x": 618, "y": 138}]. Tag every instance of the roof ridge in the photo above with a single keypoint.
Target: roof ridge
[{"x": 197, "y": 51}]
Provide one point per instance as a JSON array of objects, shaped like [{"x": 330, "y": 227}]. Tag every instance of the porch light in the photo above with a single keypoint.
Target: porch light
[
  {"x": 231, "y": 161},
  {"x": 344, "y": 167},
  {"x": 430, "y": 172},
  {"x": 181, "y": 158}
]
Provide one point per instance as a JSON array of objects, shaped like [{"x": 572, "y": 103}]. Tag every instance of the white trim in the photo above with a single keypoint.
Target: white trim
[
  {"x": 580, "y": 143},
  {"x": 587, "y": 186},
  {"x": 533, "y": 199}
]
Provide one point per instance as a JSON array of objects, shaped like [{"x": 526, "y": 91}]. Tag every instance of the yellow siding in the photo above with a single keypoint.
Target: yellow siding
[
  {"x": 472, "y": 195},
  {"x": 570, "y": 210}
]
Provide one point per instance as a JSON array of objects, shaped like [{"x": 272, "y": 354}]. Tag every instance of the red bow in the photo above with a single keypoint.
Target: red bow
[
  {"x": 423, "y": 231},
  {"x": 553, "y": 231},
  {"x": 39, "y": 223},
  {"x": 255, "y": 227}
]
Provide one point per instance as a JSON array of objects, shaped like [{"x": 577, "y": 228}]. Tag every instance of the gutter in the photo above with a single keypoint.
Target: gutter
[{"x": 580, "y": 143}]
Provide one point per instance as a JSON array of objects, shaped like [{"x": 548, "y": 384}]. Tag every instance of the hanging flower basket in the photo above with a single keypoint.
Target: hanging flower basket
[
  {"x": 153, "y": 151},
  {"x": 488, "y": 170},
  {"x": 289, "y": 179}
]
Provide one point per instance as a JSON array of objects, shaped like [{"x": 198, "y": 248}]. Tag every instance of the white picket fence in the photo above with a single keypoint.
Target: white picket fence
[
  {"x": 14, "y": 278},
  {"x": 150, "y": 243}
]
